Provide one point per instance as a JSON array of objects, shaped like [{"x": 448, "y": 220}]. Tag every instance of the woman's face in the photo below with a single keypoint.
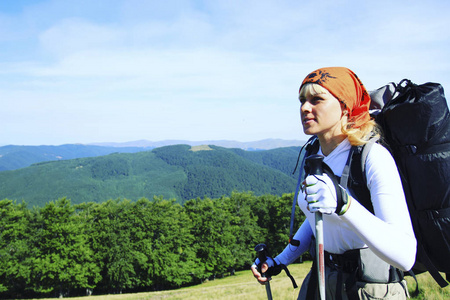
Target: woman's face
[{"x": 321, "y": 115}]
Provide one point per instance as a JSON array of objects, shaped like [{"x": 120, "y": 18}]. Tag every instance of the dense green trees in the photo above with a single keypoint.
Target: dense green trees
[
  {"x": 119, "y": 245},
  {"x": 16, "y": 251},
  {"x": 62, "y": 257}
]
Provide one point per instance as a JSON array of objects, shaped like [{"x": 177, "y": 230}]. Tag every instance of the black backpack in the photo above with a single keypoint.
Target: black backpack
[{"x": 415, "y": 120}]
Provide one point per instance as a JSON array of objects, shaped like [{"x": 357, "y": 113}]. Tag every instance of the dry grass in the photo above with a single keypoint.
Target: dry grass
[
  {"x": 200, "y": 148},
  {"x": 244, "y": 286}
]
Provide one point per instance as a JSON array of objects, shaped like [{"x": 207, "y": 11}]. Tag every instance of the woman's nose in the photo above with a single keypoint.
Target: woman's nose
[{"x": 305, "y": 107}]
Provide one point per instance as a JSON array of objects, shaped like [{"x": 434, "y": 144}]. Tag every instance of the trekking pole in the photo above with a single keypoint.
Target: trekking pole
[
  {"x": 314, "y": 163},
  {"x": 262, "y": 255}
]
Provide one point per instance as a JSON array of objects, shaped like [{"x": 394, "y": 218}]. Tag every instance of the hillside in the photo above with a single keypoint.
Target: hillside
[
  {"x": 171, "y": 171},
  {"x": 14, "y": 157}
]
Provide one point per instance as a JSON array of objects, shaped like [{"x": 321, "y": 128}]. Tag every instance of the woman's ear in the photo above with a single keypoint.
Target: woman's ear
[
  {"x": 344, "y": 119},
  {"x": 344, "y": 108}
]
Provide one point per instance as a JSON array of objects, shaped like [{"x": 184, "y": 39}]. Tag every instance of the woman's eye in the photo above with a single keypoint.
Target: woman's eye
[{"x": 316, "y": 99}]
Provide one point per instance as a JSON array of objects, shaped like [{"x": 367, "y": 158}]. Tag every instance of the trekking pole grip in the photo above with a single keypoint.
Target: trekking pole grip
[
  {"x": 262, "y": 251},
  {"x": 314, "y": 164}
]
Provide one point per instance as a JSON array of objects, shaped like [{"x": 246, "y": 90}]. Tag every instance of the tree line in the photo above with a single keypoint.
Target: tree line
[{"x": 120, "y": 245}]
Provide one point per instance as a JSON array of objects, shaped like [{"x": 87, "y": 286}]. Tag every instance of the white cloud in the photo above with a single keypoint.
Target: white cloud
[
  {"x": 74, "y": 35},
  {"x": 118, "y": 70}
]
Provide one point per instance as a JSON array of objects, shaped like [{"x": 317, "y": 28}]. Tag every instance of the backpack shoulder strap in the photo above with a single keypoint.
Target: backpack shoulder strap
[
  {"x": 366, "y": 149},
  {"x": 354, "y": 174}
]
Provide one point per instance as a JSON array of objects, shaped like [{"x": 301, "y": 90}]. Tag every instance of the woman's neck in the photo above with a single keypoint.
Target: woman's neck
[{"x": 328, "y": 144}]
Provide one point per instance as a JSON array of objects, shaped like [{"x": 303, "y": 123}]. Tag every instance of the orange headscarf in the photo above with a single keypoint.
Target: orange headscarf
[{"x": 344, "y": 85}]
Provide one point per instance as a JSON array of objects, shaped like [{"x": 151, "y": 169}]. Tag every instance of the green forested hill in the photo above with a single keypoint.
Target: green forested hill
[
  {"x": 282, "y": 159},
  {"x": 171, "y": 171}
]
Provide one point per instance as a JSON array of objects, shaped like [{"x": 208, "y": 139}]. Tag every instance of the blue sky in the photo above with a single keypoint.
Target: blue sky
[{"x": 87, "y": 71}]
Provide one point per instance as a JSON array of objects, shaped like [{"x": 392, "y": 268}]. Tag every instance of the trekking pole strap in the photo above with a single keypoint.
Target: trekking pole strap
[
  {"x": 294, "y": 205},
  {"x": 289, "y": 275},
  {"x": 307, "y": 147}
]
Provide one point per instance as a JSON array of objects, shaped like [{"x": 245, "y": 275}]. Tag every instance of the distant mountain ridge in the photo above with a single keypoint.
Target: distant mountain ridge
[
  {"x": 14, "y": 157},
  {"x": 265, "y": 144},
  {"x": 180, "y": 172}
]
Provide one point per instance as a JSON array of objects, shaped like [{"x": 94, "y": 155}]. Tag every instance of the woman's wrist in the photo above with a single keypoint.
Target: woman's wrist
[{"x": 346, "y": 206}]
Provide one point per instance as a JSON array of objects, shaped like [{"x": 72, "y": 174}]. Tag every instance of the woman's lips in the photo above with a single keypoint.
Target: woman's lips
[{"x": 308, "y": 120}]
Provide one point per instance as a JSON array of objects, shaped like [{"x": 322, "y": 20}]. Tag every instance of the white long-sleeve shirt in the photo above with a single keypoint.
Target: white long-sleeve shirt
[{"x": 388, "y": 232}]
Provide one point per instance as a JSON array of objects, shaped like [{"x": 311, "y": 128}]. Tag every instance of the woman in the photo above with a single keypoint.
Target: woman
[{"x": 360, "y": 246}]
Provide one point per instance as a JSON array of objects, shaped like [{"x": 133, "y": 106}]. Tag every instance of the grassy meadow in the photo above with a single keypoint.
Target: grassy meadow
[{"x": 243, "y": 286}]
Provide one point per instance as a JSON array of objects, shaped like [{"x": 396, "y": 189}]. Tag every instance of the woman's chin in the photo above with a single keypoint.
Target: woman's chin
[{"x": 308, "y": 131}]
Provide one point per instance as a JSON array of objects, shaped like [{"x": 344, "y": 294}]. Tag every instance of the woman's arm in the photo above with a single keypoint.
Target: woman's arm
[
  {"x": 389, "y": 232},
  {"x": 291, "y": 253}
]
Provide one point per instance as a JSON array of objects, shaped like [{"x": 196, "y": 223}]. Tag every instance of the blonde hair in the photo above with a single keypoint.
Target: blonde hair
[
  {"x": 356, "y": 136},
  {"x": 312, "y": 89},
  {"x": 361, "y": 135}
]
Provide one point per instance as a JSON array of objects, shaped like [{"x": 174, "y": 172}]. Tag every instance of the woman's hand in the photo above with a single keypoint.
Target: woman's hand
[
  {"x": 262, "y": 280},
  {"x": 320, "y": 194},
  {"x": 264, "y": 268}
]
